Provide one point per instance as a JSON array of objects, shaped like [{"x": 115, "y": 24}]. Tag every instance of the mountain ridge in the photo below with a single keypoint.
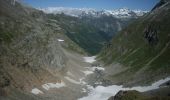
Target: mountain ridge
[
  {"x": 142, "y": 48},
  {"x": 78, "y": 12}
]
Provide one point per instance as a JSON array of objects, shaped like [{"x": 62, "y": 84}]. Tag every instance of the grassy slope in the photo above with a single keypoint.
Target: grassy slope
[
  {"x": 89, "y": 33},
  {"x": 131, "y": 49},
  {"x": 86, "y": 36}
]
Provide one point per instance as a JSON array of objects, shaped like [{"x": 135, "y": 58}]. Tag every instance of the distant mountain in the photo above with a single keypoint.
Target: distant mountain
[
  {"x": 78, "y": 12},
  {"x": 91, "y": 32},
  {"x": 85, "y": 24},
  {"x": 142, "y": 48}
]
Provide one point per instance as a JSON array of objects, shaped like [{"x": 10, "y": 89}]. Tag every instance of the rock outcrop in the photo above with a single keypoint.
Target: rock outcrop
[{"x": 135, "y": 95}]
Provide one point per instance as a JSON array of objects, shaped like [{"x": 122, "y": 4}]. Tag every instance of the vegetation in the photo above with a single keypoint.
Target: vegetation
[
  {"x": 88, "y": 32},
  {"x": 140, "y": 54}
]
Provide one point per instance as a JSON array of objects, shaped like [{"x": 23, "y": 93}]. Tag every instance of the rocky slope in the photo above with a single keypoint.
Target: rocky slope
[
  {"x": 135, "y": 95},
  {"x": 31, "y": 52},
  {"x": 142, "y": 49},
  {"x": 40, "y": 54},
  {"x": 90, "y": 32},
  {"x": 89, "y": 28}
]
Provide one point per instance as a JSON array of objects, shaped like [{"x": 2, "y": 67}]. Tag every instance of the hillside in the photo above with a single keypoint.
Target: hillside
[
  {"x": 142, "y": 48},
  {"x": 31, "y": 52},
  {"x": 46, "y": 56},
  {"x": 89, "y": 32}
]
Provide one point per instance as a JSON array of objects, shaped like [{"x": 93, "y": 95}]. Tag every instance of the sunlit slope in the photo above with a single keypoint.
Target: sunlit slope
[{"x": 143, "y": 47}]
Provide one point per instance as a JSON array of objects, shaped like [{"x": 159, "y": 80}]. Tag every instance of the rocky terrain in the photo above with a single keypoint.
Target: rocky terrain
[
  {"x": 89, "y": 32},
  {"x": 142, "y": 48},
  {"x": 46, "y": 56},
  {"x": 30, "y": 51},
  {"x": 135, "y": 95}
]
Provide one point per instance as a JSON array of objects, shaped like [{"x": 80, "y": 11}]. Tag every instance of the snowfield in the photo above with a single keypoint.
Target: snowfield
[
  {"x": 71, "y": 80},
  {"x": 52, "y": 85},
  {"x": 60, "y": 40},
  {"x": 89, "y": 59},
  {"x": 87, "y": 72},
  {"x": 77, "y": 12},
  {"x": 90, "y": 70},
  {"x": 36, "y": 91},
  {"x": 48, "y": 86},
  {"x": 103, "y": 93}
]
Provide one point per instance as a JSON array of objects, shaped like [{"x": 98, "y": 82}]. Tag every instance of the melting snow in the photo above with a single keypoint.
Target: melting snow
[
  {"x": 70, "y": 74},
  {"x": 71, "y": 80},
  {"x": 52, "y": 85},
  {"x": 103, "y": 93},
  {"x": 89, "y": 59},
  {"x": 36, "y": 91},
  {"x": 81, "y": 82},
  {"x": 91, "y": 70},
  {"x": 87, "y": 72},
  {"x": 84, "y": 90},
  {"x": 60, "y": 40},
  {"x": 94, "y": 68}
]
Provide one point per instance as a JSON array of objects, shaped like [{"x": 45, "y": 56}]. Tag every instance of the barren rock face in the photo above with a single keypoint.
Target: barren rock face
[{"x": 30, "y": 52}]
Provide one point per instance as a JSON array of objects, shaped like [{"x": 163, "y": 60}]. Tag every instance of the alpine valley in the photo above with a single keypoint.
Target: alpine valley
[{"x": 61, "y": 53}]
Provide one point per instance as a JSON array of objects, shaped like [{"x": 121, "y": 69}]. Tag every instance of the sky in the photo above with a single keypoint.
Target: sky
[{"x": 96, "y": 4}]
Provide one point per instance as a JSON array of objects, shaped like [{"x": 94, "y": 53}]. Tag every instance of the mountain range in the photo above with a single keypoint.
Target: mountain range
[
  {"x": 78, "y": 12},
  {"x": 45, "y": 54}
]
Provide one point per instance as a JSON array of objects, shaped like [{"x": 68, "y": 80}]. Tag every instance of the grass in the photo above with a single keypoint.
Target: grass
[
  {"x": 6, "y": 36},
  {"x": 130, "y": 48}
]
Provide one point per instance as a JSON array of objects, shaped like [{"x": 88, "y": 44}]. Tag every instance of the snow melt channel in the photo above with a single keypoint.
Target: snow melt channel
[{"x": 103, "y": 93}]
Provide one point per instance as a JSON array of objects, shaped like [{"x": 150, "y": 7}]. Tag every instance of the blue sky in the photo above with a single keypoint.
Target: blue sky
[{"x": 96, "y": 4}]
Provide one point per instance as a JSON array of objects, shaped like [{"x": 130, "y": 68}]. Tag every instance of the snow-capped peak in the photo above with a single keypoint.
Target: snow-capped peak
[
  {"x": 76, "y": 12},
  {"x": 140, "y": 12},
  {"x": 68, "y": 11}
]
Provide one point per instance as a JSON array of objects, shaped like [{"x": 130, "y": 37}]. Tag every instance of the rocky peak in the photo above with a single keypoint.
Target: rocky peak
[{"x": 79, "y": 12}]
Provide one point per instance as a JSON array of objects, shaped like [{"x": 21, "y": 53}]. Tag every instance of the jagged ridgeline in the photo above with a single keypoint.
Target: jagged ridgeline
[{"x": 143, "y": 47}]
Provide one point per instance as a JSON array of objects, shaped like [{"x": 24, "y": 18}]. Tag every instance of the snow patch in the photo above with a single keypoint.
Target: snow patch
[
  {"x": 103, "y": 93},
  {"x": 89, "y": 59},
  {"x": 80, "y": 82},
  {"x": 95, "y": 68},
  {"x": 71, "y": 80},
  {"x": 90, "y": 70},
  {"x": 36, "y": 91},
  {"x": 52, "y": 85},
  {"x": 84, "y": 90},
  {"x": 87, "y": 72},
  {"x": 60, "y": 40},
  {"x": 70, "y": 74},
  {"x": 78, "y": 12}
]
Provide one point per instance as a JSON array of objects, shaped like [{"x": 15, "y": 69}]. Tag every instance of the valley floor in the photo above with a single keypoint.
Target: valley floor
[{"x": 85, "y": 80}]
